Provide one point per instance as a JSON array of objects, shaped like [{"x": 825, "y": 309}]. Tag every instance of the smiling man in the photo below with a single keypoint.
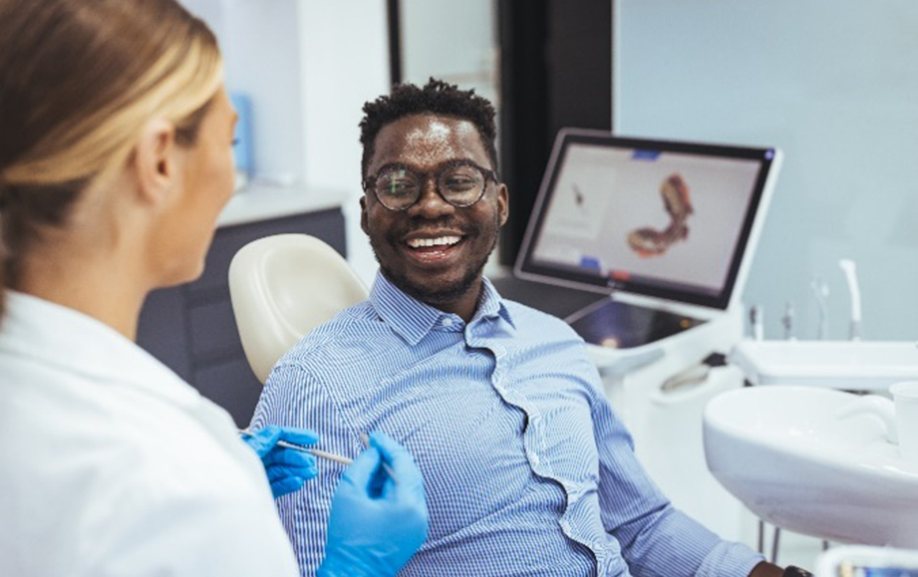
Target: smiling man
[
  {"x": 527, "y": 469},
  {"x": 434, "y": 208}
]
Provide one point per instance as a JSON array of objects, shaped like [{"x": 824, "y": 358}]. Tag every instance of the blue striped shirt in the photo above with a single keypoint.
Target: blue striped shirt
[{"x": 527, "y": 469}]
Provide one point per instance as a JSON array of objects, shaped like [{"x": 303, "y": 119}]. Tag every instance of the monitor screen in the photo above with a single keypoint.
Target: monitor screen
[{"x": 675, "y": 220}]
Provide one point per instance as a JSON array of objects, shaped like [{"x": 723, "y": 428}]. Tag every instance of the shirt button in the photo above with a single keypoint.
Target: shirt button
[
  {"x": 535, "y": 459},
  {"x": 447, "y": 322}
]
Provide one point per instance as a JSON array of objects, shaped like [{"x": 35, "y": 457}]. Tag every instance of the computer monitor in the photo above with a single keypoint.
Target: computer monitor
[
  {"x": 666, "y": 228},
  {"x": 672, "y": 220}
]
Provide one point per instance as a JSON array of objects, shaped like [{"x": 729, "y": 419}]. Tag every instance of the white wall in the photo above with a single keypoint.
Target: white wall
[
  {"x": 346, "y": 63},
  {"x": 308, "y": 67},
  {"x": 832, "y": 82},
  {"x": 455, "y": 41}
]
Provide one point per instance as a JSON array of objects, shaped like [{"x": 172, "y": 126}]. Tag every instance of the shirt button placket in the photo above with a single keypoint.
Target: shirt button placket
[{"x": 498, "y": 375}]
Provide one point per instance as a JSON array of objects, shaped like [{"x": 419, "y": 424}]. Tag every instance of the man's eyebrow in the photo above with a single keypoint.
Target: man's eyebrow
[{"x": 414, "y": 168}]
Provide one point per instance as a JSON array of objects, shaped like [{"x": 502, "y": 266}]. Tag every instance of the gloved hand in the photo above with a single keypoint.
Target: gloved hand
[
  {"x": 376, "y": 524},
  {"x": 287, "y": 469}
]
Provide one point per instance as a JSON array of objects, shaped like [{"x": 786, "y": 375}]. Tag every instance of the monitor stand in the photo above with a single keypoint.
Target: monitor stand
[
  {"x": 682, "y": 348},
  {"x": 600, "y": 320},
  {"x": 619, "y": 325},
  {"x": 554, "y": 300}
]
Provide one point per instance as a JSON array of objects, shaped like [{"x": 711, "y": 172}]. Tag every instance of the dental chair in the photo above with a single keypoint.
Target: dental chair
[{"x": 281, "y": 287}]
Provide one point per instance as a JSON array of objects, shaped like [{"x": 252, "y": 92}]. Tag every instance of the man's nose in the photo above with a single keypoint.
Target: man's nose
[{"x": 430, "y": 203}]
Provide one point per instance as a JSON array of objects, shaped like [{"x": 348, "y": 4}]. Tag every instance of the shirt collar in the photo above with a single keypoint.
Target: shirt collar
[
  {"x": 413, "y": 320},
  {"x": 60, "y": 336}
]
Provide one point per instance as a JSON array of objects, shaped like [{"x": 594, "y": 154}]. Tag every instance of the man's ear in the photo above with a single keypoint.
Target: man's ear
[
  {"x": 363, "y": 214},
  {"x": 503, "y": 203},
  {"x": 155, "y": 162}
]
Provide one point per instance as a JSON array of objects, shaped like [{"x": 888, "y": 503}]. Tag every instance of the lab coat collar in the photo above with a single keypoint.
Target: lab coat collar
[
  {"x": 44, "y": 331},
  {"x": 412, "y": 320}
]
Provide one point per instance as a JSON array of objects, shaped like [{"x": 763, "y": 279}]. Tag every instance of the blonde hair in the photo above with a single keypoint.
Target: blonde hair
[{"x": 80, "y": 79}]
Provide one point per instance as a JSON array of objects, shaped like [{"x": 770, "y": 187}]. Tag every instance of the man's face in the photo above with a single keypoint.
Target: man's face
[{"x": 433, "y": 251}]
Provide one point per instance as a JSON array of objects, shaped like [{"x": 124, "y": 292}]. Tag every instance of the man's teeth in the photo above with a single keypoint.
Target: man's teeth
[{"x": 441, "y": 241}]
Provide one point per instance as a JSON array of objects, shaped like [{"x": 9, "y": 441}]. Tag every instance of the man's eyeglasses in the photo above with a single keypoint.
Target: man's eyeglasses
[{"x": 461, "y": 184}]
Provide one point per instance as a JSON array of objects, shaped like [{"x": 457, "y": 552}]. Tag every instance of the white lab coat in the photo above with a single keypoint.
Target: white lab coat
[{"x": 111, "y": 465}]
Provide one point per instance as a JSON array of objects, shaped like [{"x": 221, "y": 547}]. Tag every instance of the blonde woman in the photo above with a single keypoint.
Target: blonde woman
[{"x": 115, "y": 160}]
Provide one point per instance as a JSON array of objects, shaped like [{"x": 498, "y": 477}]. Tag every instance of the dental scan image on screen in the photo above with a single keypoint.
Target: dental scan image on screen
[{"x": 668, "y": 218}]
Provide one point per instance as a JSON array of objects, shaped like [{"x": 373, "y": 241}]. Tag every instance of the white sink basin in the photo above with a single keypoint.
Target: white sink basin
[{"x": 799, "y": 459}]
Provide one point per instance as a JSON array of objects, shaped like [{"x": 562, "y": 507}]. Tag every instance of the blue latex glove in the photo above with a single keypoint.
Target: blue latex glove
[
  {"x": 376, "y": 525},
  {"x": 287, "y": 469}
]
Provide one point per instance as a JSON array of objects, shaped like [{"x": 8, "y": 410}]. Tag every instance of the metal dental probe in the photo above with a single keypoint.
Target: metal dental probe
[
  {"x": 314, "y": 452},
  {"x": 327, "y": 455}
]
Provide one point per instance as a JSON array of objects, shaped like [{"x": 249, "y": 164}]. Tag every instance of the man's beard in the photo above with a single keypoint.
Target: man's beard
[{"x": 430, "y": 295}]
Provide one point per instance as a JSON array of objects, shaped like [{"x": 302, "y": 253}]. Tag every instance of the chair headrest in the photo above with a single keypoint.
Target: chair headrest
[{"x": 283, "y": 286}]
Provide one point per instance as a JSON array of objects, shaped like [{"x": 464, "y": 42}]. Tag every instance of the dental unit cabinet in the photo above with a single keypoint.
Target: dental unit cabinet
[{"x": 846, "y": 365}]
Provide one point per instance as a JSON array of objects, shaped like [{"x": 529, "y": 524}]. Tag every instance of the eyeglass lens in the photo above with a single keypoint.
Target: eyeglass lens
[{"x": 398, "y": 188}]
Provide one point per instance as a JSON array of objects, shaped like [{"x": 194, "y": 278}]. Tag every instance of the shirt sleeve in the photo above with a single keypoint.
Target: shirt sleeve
[
  {"x": 294, "y": 397},
  {"x": 657, "y": 540}
]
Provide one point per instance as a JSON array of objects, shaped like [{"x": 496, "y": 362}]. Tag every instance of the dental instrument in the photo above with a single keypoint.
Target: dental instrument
[
  {"x": 314, "y": 452},
  {"x": 821, "y": 292},
  {"x": 366, "y": 441},
  {"x": 788, "y": 321},
  {"x": 694, "y": 375},
  {"x": 317, "y": 453},
  {"x": 850, "y": 270},
  {"x": 757, "y": 322}
]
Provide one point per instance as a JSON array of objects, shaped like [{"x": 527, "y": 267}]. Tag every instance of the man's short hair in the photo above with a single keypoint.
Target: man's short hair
[{"x": 436, "y": 97}]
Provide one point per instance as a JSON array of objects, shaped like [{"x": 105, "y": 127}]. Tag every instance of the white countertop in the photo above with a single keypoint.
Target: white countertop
[{"x": 257, "y": 201}]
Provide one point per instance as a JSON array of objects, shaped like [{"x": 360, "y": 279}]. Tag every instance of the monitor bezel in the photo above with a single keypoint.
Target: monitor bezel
[{"x": 769, "y": 159}]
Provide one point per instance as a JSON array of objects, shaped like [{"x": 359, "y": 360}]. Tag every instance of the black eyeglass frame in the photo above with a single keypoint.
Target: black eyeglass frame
[{"x": 369, "y": 183}]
